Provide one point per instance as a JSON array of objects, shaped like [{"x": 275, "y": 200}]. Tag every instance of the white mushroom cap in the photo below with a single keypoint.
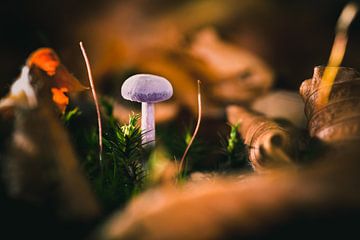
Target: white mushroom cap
[{"x": 146, "y": 88}]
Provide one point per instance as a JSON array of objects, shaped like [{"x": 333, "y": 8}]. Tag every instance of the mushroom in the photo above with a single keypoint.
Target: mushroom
[{"x": 147, "y": 89}]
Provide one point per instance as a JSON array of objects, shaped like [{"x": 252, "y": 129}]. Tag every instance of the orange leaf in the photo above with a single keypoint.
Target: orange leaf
[
  {"x": 45, "y": 59},
  {"x": 60, "y": 98},
  {"x": 48, "y": 61}
]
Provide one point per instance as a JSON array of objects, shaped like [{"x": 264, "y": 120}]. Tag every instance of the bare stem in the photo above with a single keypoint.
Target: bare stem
[
  {"x": 195, "y": 131},
  {"x": 95, "y": 100}
]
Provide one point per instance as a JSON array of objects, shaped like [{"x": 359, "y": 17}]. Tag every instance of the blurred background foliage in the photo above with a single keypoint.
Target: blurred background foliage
[{"x": 291, "y": 36}]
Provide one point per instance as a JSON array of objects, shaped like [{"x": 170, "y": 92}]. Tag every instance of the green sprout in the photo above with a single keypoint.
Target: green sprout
[
  {"x": 70, "y": 115},
  {"x": 234, "y": 150}
]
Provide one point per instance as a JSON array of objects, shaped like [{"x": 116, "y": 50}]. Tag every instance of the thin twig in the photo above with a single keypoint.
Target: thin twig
[
  {"x": 195, "y": 131},
  {"x": 337, "y": 52},
  {"x": 95, "y": 100}
]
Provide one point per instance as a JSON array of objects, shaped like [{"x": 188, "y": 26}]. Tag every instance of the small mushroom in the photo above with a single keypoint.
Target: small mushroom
[{"x": 147, "y": 89}]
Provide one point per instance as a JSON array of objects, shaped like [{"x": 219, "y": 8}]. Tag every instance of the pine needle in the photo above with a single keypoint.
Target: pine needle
[
  {"x": 195, "y": 131},
  {"x": 95, "y": 101},
  {"x": 337, "y": 52}
]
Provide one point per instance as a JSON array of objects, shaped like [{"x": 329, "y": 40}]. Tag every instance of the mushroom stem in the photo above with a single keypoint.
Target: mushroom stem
[{"x": 148, "y": 123}]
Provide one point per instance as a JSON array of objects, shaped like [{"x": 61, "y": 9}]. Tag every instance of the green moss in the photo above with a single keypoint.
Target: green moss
[{"x": 121, "y": 175}]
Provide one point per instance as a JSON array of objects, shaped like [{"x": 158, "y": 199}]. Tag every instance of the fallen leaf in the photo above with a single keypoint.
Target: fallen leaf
[
  {"x": 339, "y": 119},
  {"x": 61, "y": 80},
  {"x": 238, "y": 75},
  {"x": 270, "y": 144},
  {"x": 48, "y": 61}
]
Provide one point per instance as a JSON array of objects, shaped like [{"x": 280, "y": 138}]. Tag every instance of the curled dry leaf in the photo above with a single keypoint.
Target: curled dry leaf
[
  {"x": 269, "y": 143},
  {"x": 339, "y": 119}
]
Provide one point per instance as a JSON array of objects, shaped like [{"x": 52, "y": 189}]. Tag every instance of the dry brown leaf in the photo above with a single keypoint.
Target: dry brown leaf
[
  {"x": 238, "y": 75},
  {"x": 339, "y": 119},
  {"x": 269, "y": 143}
]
